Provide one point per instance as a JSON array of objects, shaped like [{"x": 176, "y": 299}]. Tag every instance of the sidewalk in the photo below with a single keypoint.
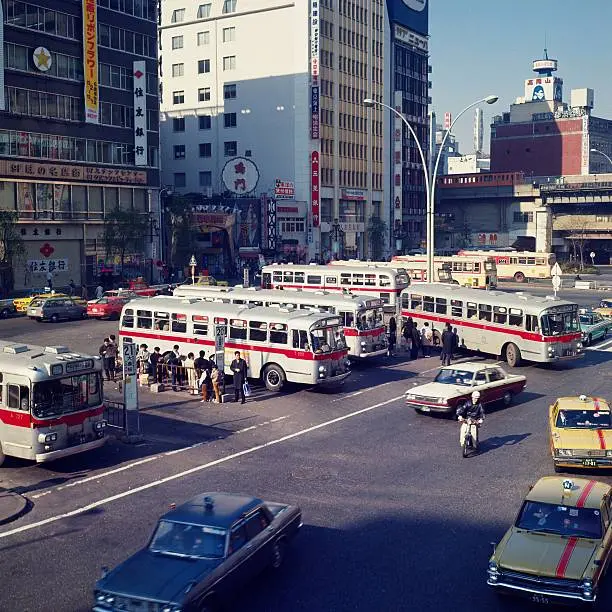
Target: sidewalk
[{"x": 12, "y": 506}]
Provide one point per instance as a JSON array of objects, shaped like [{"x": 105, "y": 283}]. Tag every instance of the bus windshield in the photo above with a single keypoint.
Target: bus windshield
[
  {"x": 554, "y": 324},
  {"x": 327, "y": 339},
  {"x": 63, "y": 395},
  {"x": 369, "y": 318}
]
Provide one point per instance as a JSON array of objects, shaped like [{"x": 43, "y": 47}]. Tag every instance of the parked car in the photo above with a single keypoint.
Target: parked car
[
  {"x": 200, "y": 554},
  {"x": 22, "y": 303},
  {"x": 205, "y": 281},
  {"x": 107, "y": 307},
  {"x": 56, "y": 308},
  {"x": 7, "y": 308},
  {"x": 558, "y": 548},
  {"x": 605, "y": 308},
  {"x": 114, "y": 293},
  {"x": 580, "y": 432},
  {"x": 593, "y": 326},
  {"x": 143, "y": 289},
  {"x": 455, "y": 384}
]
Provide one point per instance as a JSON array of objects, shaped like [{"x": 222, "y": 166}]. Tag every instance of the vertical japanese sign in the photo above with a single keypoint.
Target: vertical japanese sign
[
  {"x": 90, "y": 61},
  {"x": 586, "y": 145},
  {"x": 130, "y": 386},
  {"x": 397, "y": 164},
  {"x": 314, "y": 69},
  {"x": 2, "y": 98},
  {"x": 314, "y": 187},
  {"x": 140, "y": 112}
]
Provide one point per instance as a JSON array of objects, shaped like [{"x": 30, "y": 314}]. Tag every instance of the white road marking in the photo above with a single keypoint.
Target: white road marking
[
  {"x": 261, "y": 424},
  {"x": 605, "y": 346},
  {"x": 194, "y": 470},
  {"x": 340, "y": 399}
]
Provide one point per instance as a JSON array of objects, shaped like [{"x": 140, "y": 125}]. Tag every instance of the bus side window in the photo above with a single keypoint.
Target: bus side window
[
  {"x": 405, "y": 301},
  {"x": 471, "y": 310},
  {"x": 313, "y": 280},
  {"x": 357, "y": 279},
  {"x": 456, "y": 308},
  {"x": 428, "y": 303},
  {"x": 277, "y": 277},
  {"x": 416, "y": 302},
  {"x": 516, "y": 317},
  {"x": 300, "y": 278},
  {"x": 441, "y": 307},
  {"x": 238, "y": 329},
  {"x": 179, "y": 323},
  {"x": 288, "y": 277},
  {"x": 370, "y": 280},
  {"x": 128, "y": 318},
  {"x": 484, "y": 312},
  {"x": 258, "y": 331},
  {"x": 162, "y": 321},
  {"x": 500, "y": 315},
  {"x": 300, "y": 340},
  {"x": 278, "y": 333},
  {"x": 385, "y": 280},
  {"x": 144, "y": 319},
  {"x": 331, "y": 280},
  {"x": 531, "y": 323},
  {"x": 18, "y": 398},
  {"x": 345, "y": 279}
]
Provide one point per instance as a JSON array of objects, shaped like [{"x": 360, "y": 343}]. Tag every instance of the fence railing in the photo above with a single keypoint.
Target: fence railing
[{"x": 115, "y": 415}]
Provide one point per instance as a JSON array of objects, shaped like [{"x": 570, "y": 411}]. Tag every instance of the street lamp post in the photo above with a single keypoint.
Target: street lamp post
[
  {"x": 430, "y": 177},
  {"x": 602, "y": 153},
  {"x": 337, "y": 236}
]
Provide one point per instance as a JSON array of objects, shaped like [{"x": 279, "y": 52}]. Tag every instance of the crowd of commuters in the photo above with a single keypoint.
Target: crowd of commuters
[{"x": 415, "y": 340}]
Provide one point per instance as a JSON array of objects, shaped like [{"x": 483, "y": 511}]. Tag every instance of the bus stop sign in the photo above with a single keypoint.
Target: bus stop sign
[
  {"x": 129, "y": 359},
  {"x": 220, "y": 346}
]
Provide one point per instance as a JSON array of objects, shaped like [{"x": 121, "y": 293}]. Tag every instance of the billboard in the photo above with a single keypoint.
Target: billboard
[
  {"x": 90, "y": 61},
  {"x": 544, "y": 88},
  {"x": 140, "y": 112},
  {"x": 412, "y": 14},
  {"x": 314, "y": 188}
]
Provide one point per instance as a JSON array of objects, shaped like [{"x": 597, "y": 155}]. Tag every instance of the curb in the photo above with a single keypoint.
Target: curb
[{"x": 12, "y": 506}]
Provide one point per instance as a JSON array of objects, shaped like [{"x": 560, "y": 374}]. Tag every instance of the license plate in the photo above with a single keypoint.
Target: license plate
[
  {"x": 589, "y": 462},
  {"x": 540, "y": 599},
  {"x": 94, "y": 310},
  {"x": 425, "y": 409}
]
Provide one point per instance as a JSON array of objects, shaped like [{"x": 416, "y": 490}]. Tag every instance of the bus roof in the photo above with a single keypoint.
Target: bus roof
[
  {"x": 404, "y": 259},
  {"x": 503, "y": 251},
  {"x": 325, "y": 298},
  {"x": 330, "y": 269},
  {"x": 358, "y": 263},
  {"x": 524, "y": 301},
  {"x": 37, "y": 362},
  {"x": 197, "y": 307}
]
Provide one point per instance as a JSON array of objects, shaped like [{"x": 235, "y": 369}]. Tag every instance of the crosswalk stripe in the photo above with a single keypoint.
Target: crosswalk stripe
[{"x": 605, "y": 346}]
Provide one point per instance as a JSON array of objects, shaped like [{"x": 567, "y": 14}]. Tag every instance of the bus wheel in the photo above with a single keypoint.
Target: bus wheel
[
  {"x": 513, "y": 355},
  {"x": 274, "y": 377},
  {"x": 519, "y": 277}
]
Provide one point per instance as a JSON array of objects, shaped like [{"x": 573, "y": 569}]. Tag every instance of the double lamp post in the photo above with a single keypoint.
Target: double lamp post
[{"x": 429, "y": 172}]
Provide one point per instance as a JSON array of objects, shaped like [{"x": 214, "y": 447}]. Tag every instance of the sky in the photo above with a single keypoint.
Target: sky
[{"x": 482, "y": 47}]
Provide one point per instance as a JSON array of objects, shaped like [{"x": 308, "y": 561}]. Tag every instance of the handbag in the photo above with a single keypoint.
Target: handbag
[{"x": 247, "y": 389}]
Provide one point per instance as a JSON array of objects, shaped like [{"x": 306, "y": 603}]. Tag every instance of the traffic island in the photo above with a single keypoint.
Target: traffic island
[{"x": 12, "y": 506}]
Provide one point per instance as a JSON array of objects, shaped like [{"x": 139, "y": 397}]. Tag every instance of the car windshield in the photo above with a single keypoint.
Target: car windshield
[
  {"x": 103, "y": 301},
  {"x": 586, "y": 319},
  {"x": 63, "y": 395},
  {"x": 36, "y": 303},
  {"x": 606, "y": 303},
  {"x": 188, "y": 540},
  {"x": 584, "y": 419},
  {"x": 452, "y": 376},
  {"x": 560, "y": 520},
  {"x": 327, "y": 339},
  {"x": 554, "y": 324}
]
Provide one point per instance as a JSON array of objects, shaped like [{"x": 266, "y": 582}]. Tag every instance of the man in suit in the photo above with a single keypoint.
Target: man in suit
[{"x": 239, "y": 370}]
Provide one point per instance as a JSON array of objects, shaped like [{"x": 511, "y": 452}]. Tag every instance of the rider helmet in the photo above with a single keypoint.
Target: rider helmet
[{"x": 475, "y": 396}]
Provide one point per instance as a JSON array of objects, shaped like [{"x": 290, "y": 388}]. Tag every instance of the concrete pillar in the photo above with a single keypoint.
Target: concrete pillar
[{"x": 543, "y": 219}]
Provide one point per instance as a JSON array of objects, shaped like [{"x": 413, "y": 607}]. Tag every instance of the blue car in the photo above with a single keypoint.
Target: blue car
[
  {"x": 594, "y": 326},
  {"x": 200, "y": 555}
]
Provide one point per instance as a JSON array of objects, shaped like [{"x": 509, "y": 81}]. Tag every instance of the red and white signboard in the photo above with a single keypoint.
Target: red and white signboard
[
  {"x": 448, "y": 119},
  {"x": 314, "y": 188},
  {"x": 397, "y": 161},
  {"x": 284, "y": 190}
]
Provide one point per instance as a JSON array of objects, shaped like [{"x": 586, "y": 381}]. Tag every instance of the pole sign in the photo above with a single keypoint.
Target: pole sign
[
  {"x": 220, "y": 346},
  {"x": 245, "y": 277},
  {"x": 130, "y": 382},
  {"x": 129, "y": 358},
  {"x": 140, "y": 113},
  {"x": 556, "y": 277},
  {"x": 314, "y": 187}
]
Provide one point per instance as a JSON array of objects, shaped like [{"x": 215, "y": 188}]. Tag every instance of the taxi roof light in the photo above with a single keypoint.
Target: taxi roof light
[{"x": 568, "y": 485}]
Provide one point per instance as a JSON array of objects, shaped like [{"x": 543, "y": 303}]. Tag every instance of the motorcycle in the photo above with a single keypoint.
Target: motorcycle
[{"x": 470, "y": 440}]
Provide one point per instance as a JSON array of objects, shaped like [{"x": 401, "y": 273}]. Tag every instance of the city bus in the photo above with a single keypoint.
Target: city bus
[
  {"x": 417, "y": 274},
  {"x": 51, "y": 402},
  {"x": 515, "y": 326},
  {"x": 384, "y": 282},
  {"x": 278, "y": 344},
  {"x": 362, "y": 316},
  {"x": 474, "y": 271},
  {"x": 519, "y": 266}
]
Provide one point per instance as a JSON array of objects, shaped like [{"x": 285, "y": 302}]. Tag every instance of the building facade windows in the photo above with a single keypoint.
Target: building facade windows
[
  {"x": 288, "y": 225},
  {"x": 178, "y": 70},
  {"x": 62, "y": 66},
  {"x": 229, "y": 34},
  {"x": 178, "y": 15},
  {"x": 230, "y": 148},
  {"x": 204, "y": 122},
  {"x": 26, "y": 15},
  {"x": 203, "y": 66},
  {"x": 523, "y": 217},
  {"x": 179, "y": 151},
  {"x": 229, "y": 91},
  {"x": 178, "y": 97},
  {"x": 145, "y": 9},
  {"x": 204, "y": 11},
  {"x": 180, "y": 180},
  {"x": 126, "y": 40},
  {"x": 229, "y": 120},
  {"x": 178, "y": 124},
  {"x": 116, "y": 115},
  {"x": 229, "y": 62},
  {"x": 203, "y": 38},
  {"x": 229, "y": 6},
  {"x": 206, "y": 178},
  {"x": 177, "y": 42},
  {"x": 43, "y": 104},
  {"x": 204, "y": 94},
  {"x": 205, "y": 149}
]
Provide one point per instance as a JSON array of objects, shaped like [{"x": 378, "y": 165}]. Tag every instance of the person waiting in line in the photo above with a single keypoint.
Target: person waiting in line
[
  {"x": 239, "y": 370},
  {"x": 448, "y": 345},
  {"x": 155, "y": 361},
  {"x": 426, "y": 339},
  {"x": 192, "y": 381},
  {"x": 216, "y": 380}
]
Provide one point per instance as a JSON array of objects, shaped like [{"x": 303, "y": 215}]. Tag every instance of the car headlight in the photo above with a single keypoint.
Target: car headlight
[
  {"x": 564, "y": 452},
  {"x": 171, "y": 609},
  {"x": 364, "y": 344},
  {"x": 99, "y": 425},
  {"x": 321, "y": 368},
  {"x": 442, "y": 400},
  {"x": 47, "y": 438},
  {"x": 587, "y": 583}
]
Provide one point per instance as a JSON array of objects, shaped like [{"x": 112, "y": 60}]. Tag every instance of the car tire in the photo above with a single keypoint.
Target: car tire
[
  {"x": 54, "y": 318},
  {"x": 274, "y": 377},
  {"x": 519, "y": 277},
  {"x": 84, "y": 314},
  {"x": 513, "y": 355},
  {"x": 507, "y": 399},
  {"x": 5, "y": 313},
  {"x": 278, "y": 554}
]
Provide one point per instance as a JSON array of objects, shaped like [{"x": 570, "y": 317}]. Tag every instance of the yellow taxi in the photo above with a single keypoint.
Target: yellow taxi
[
  {"x": 558, "y": 548},
  {"x": 580, "y": 433},
  {"x": 22, "y": 304},
  {"x": 605, "y": 308}
]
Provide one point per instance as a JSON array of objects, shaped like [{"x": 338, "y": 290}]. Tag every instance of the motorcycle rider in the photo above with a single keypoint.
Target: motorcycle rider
[{"x": 474, "y": 411}]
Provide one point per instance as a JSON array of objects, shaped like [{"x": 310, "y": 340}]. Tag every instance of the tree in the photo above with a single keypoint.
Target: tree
[
  {"x": 179, "y": 221},
  {"x": 576, "y": 228},
  {"x": 124, "y": 231},
  {"x": 12, "y": 247},
  {"x": 377, "y": 233}
]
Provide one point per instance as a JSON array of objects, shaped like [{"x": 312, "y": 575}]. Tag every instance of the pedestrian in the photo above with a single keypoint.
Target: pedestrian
[
  {"x": 99, "y": 291},
  {"x": 105, "y": 359},
  {"x": 49, "y": 280},
  {"x": 143, "y": 359},
  {"x": 172, "y": 362},
  {"x": 239, "y": 370},
  {"x": 111, "y": 353},
  {"x": 455, "y": 341},
  {"x": 192, "y": 380},
  {"x": 426, "y": 339},
  {"x": 406, "y": 334},
  {"x": 415, "y": 339},
  {"x": 205, "y": 383},
  {"x": 199, "y": 364},
  {"x": 84, "y": 292},
  {"x": 154, "y": 360},
  {"x": 392, "y": 336},
  {"x": 215, "y": 377},
  {"x": 448, "y": 344}
]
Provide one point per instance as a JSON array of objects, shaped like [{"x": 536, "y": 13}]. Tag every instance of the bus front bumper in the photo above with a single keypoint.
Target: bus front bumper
[
  {"x": 69, "y": 450},
  {"x": 332, "y": 381},
  {"x": 376, "y": 353}
]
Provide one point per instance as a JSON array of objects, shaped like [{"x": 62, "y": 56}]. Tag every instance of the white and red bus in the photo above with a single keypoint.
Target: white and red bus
[
  {"x": 513, "y": 326},
  {"x": 278, "y": 344},
  {"x": 384, "y": 282},
  {"x": 519, "y": 266},
  {"x": 476, "y": 271},
  {"x": 51, "y": 402},
  {"x": 362, "y": 316},
  {"x": 417, "y": 274}
]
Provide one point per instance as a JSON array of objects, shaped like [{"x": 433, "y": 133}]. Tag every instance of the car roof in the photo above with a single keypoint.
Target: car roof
[
  {"x": 582, "y": 402},
  {"x": 226, "y": 509},
  {"x": 471, "y": 366},
  {"x": 584, "y": 492}
]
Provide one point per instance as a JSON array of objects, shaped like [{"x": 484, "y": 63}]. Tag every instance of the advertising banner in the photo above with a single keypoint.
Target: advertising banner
[
  {"x": 90, "y": 61},
  {"x": 397, "y": 163},
  {"x": 413, "y": 14},
  {"x": 314, "y": 69},
  {"x": 140, "y": 112},
  {"x": 314, "y": 188}
]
